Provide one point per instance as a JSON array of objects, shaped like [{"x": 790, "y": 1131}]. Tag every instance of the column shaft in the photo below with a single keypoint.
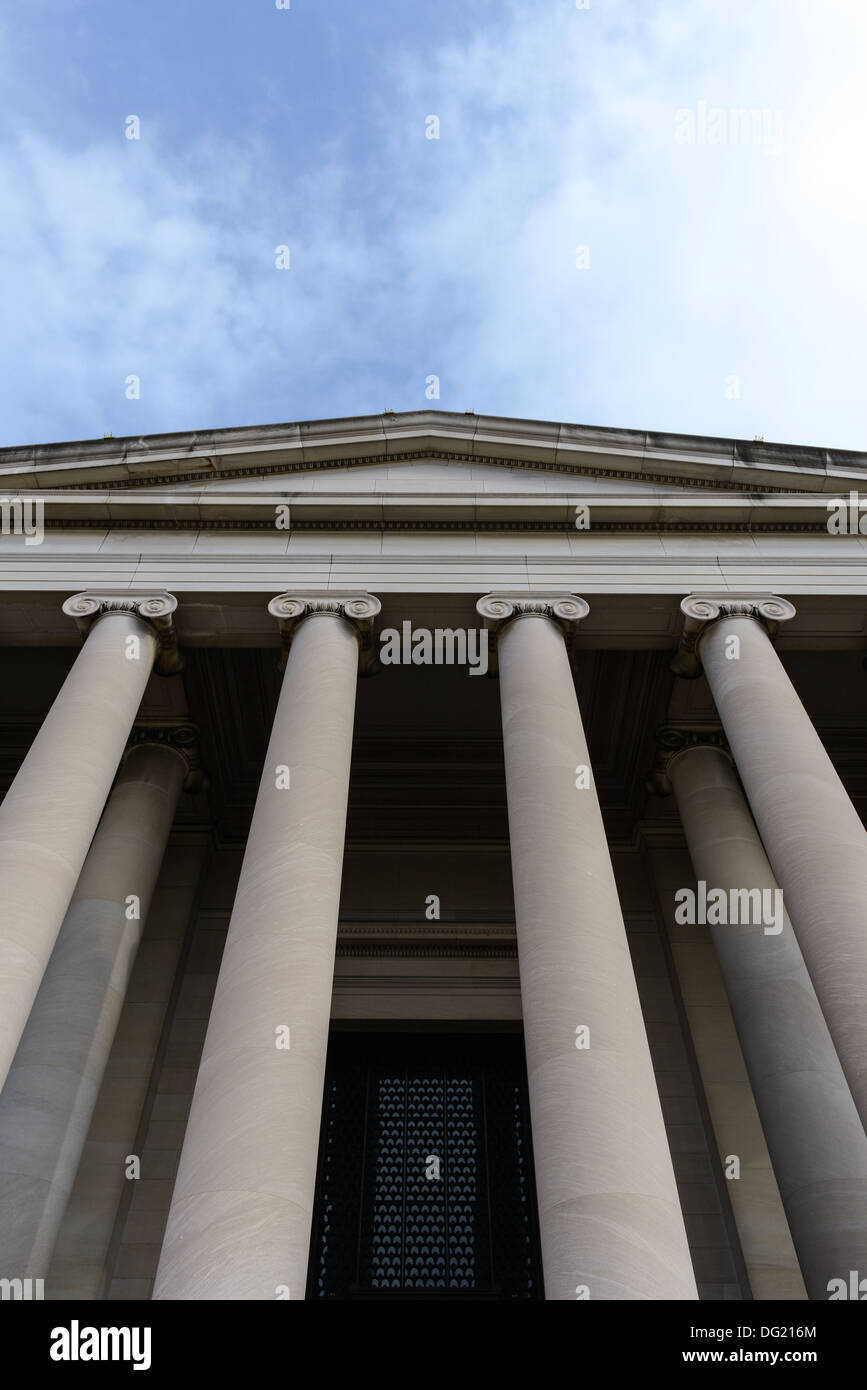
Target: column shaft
[
  {"x": 812, "y": 833},
  {"x": 51, "y": 810},
  {"x": 50, "y": 1092},
  {"x": 814, "y": 1135},
  {"x": 609, "y": 1212},
  {"x": 240, "y": 1219}
]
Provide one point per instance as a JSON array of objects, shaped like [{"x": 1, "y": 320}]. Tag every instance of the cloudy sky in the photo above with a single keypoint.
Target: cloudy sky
[{"x": 596, "y": 235}]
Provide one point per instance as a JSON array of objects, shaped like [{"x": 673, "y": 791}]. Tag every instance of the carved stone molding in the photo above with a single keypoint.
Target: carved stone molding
[
  {"x": 182, "y": 737},
  {"x": 702, "y": 610},
  {"x": 566, "y": 610},
  {"x": 357, "y": 608},
  {"x": 672, "y": 741},
  {"x": 426, "y": 950},
  {"x": 155, "y": 607},
  {"x": 497, "y": 610},
  {"x": 647, "y": 474}
]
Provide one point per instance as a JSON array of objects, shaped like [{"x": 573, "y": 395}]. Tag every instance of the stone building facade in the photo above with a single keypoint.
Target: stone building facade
[{"x": 432, "y": 864}]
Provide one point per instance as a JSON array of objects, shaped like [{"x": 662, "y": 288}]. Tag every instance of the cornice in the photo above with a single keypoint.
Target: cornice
[
  {"x": 451, "y": 944},
  {"x": 622, "y": 510},
  {"x": 688, "y": 461},
  {"x": 402, "y": 941},
  {"x": 413, "y": 950},
  {"x": 652, "y": 477},
  {"x": 424, "y": 526},
  {"x": 380, "y": 929}
]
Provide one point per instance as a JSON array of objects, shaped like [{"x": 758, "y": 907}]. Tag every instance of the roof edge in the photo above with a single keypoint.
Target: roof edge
[{"x": 307, "y": 444}]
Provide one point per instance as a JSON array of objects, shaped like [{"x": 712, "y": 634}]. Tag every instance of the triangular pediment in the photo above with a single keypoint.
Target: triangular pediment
[{"x": 434, "y": 452}]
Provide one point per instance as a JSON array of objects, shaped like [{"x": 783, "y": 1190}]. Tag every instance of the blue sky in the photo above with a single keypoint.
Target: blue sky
[{"x": 722, "y": 290}]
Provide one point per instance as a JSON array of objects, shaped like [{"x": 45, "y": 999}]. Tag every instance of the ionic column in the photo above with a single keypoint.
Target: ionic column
[
  {"x": 812, "y": 833},
  {"x": 52, "y": 1086},
  {"x": 610, "y": 1218},
  {"x": 240, "y": 1219},
  {"x": 51, "y": 810},
  {"x": 814, "y": 1135}
]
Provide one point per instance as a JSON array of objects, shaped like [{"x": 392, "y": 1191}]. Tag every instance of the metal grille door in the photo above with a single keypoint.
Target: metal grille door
[{"x": 425, "y": 1175}]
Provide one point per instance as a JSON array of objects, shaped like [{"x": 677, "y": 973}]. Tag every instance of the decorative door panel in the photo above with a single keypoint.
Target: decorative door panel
[{"x": 425, "y": 1175}]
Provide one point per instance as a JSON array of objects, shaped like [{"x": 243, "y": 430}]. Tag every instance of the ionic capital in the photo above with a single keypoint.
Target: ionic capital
[
  {"x": 359, "y": 609},
  {"x": 701, "y": 611},
  {"x": 566, "y": 610},
  {"x": 675, "y": 740},
  {"x": 154, "y": 607},
  {"x": 178, "y": 736}
]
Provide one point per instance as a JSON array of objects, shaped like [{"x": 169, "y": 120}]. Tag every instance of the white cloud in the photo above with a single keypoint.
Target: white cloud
[
  {"x": 705, "y": 261},
  {"x": 120, "y": 259}
]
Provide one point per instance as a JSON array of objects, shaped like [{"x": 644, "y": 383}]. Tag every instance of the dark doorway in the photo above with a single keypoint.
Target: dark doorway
[{"x": 425, "y": 1186}]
